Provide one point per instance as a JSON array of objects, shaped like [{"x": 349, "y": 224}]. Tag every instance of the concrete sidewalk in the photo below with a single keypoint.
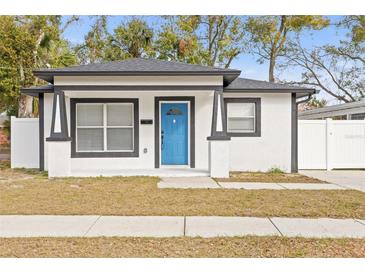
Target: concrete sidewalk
[
  {"x": 350, "y": 179},
  {"x": 176, "y": 226}
]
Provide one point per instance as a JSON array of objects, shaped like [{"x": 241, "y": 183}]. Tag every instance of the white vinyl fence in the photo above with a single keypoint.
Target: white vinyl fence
[
  {"x": 24, "y": 142},
  {"x": 330, "y": 144}
]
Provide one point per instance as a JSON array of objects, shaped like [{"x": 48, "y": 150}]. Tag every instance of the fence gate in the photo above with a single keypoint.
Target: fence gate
[
  {"x": 329, "y": 144},
  {"x": 24, "y": 142}
]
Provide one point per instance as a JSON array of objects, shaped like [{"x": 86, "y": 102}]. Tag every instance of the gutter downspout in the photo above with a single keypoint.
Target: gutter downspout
[
  {"x": 294, "y": 127},
  {"x": 304, "y": 100}
]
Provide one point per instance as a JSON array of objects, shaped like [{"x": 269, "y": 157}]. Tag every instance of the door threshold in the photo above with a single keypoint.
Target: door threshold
[{"x": 174, "y": 166}]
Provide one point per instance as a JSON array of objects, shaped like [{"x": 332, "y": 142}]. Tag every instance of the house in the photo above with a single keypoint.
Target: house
[
  {"x": 144, "y": 116},
  {"x": 346, "y": 111}
]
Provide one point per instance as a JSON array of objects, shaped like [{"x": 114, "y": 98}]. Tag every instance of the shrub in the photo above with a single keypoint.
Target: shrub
[{"x": 276, "y": 170}]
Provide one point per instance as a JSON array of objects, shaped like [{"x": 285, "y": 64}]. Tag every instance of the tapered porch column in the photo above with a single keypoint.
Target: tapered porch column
[
  {"x": 59, "y": 142},
  {"x": 218, "y": 139}
]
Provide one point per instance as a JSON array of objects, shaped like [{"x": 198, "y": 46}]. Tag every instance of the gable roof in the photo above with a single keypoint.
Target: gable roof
[{"x": 138, "y": 66}]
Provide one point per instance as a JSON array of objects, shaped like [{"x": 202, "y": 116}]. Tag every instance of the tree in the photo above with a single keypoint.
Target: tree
[
  {"x": 336, "y": 70},
  {"x": 326, "y": 68},
  {"x": 207, "y": 40},
  {"x": 16, "y": 61},
  {"x": 58, "y": 53},
  {"x": 28, "y": 42},
  {"x": 133, "y": 39},
  {"x": 357, "y": 25},
  {"x": 92, "y": 50},
  {"x": 269, "y": 35},
  {"x": 178, "y": 42},
  {"x": 352, "y": 48},
  {"x": 312, "y": 104}
]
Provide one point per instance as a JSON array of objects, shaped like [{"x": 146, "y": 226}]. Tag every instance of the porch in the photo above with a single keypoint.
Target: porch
[
  {"x": 198, "y": 150},
  {"x": 158, "y": 172}
]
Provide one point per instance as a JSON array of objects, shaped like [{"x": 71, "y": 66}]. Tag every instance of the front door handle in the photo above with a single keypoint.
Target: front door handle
[{"x": 162, "y": 134}]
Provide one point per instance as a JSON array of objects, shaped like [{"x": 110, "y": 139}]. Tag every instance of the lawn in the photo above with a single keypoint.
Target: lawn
[
  {"x": 14, "y": 174},
  {"x": 268, "y": 177},
  {"x": 181, "y": 247},
  {"x": 30, "y": 192}
]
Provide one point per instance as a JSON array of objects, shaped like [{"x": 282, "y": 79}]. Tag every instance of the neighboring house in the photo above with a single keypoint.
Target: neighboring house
[
  {"x": 347, "y": 111},
  {"x": 147, "y": 115}
]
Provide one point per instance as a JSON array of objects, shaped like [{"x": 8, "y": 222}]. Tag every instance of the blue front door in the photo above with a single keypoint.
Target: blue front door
[{"x": 174, "y": 133}]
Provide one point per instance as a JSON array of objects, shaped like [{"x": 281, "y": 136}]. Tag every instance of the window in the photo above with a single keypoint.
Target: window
[
  {"x": 243, "y": 116},
  {"x": 104, "y": 127}
]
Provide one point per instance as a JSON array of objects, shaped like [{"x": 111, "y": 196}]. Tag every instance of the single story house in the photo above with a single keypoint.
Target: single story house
[{"x": 146, "y": 116}]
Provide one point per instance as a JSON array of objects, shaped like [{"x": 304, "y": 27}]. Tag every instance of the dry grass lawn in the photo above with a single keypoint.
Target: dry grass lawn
[
  {"x": 268, "y": 177},
  {"x": 8, "y": 174},
  {"x": 140, "y": 196},
  {"x": 181, "y": 247}
]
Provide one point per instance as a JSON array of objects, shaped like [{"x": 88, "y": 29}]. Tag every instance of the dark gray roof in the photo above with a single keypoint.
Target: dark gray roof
[
  {"x": 34, "y": 91},
  {"x": 250, "y": 84},
  {"x": 138, "y": 66},
  {"x": 45, "y": 88}
]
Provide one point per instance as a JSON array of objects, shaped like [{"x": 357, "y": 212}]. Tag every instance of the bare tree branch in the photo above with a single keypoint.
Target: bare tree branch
[{"x": 325, "y": 70}]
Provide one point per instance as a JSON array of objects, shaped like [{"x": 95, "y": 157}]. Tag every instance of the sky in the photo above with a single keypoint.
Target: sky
[{"x": 247, "y": 63}]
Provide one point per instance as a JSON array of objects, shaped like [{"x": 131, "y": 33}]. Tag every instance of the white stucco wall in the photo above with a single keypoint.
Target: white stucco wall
[
  {"x": 139, "y": 80},
  {"x": 203, "y": 109},
  {"x": 203, "y": 114},
  {"x": 219, "y": 158},
  {"x": 273, "y": 148},
  {"x": 58, "y": 162}
]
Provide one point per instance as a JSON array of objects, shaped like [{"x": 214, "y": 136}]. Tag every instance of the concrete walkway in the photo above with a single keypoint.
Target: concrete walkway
[
  {"x": 176, "y": 226},
  {"x": 350, "y": 179},
  {"x": 187, "y": 182},
  {"x": 209, "y": 183}
]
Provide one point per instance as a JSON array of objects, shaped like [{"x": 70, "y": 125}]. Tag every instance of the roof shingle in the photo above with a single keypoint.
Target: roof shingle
[
  {"x": 250, "y": 84},
  {"x": 139, "y": 65}
]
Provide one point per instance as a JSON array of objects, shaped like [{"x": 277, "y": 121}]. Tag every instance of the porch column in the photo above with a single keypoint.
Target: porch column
[
  {"x": 218, "y": 139},
  {"x": 59, "y": 142}
]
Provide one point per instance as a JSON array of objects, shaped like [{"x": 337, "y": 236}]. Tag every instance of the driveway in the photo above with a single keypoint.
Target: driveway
[{"x": 354, "y": 179}]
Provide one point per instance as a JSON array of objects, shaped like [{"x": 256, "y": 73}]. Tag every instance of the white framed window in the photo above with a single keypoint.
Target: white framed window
[
  {"x": 104, "y": 127},
  {"x": 243, "y": 116}
]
